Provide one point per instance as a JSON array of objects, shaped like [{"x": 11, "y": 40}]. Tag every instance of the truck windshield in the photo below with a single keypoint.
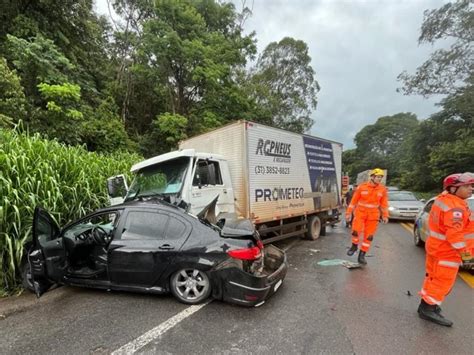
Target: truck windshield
[{"x": 159, "y": 179}]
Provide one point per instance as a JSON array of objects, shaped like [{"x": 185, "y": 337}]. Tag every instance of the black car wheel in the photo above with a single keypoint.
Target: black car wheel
[
  {"x": 417, "y": 237},
  {"x": 190, "y": 286},
  {"x": 26, "y": 279}
]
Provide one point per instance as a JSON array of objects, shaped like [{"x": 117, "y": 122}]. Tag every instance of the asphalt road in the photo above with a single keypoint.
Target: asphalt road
[{"x": 317, "y": 310}]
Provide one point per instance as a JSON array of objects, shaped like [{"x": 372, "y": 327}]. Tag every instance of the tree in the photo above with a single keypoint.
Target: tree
[
  {"x": 442, "y": 144},
  {"x": 12, "y": 98},
  {"x": 381, "y": 144},
  {"x": 192, "y": 48},
  {"x": 447, "y": 69},
  {"x": 284, "y": 85}
]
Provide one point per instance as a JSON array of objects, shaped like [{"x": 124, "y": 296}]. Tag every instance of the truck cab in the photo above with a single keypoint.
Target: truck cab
[{"x": 183, "y": 176}]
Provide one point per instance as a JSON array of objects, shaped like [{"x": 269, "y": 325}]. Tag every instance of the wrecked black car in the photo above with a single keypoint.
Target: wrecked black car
[{"x": 156, "y": 247}]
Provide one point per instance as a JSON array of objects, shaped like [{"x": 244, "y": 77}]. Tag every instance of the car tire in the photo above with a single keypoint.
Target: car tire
[
  {"x": 190, "y": 286},
  {"x": 417, "y": 237},
  {"x": 26, "y": 280},
  {"x": 314, "y": 228}
]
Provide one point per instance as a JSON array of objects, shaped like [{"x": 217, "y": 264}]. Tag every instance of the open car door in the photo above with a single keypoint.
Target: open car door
[{"x": 47, "y": 259}]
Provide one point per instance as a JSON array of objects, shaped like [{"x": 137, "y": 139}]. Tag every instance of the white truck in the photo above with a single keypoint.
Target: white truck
[{"x": 287, "y": 184}]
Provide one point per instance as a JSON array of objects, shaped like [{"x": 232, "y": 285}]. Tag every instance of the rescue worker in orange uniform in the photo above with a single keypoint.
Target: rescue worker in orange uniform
[
  {"x": 446, "y": 248},
  {"x": 370, "y": 198}
]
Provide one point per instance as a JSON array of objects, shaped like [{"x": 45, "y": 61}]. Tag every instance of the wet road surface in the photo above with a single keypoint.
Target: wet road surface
[{"x": 318, "y": 309}]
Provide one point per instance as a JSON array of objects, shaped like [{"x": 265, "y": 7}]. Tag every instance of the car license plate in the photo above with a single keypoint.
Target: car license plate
[{"x": 277, "y": 285}]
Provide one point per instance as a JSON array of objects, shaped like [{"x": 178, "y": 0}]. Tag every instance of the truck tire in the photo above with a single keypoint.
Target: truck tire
[
  {"x": 323, "y": 230},
  {"x": 314, "y": 228}
]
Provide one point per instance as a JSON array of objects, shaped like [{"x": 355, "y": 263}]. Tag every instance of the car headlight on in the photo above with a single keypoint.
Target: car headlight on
[{"x": 391, "y": 208}]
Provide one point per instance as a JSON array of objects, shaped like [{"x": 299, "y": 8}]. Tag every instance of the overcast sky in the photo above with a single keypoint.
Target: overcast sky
[{"x": 358, "y": 48}]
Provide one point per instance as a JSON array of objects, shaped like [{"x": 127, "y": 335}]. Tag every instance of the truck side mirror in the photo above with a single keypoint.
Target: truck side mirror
[{"x": 117, "y": 186}]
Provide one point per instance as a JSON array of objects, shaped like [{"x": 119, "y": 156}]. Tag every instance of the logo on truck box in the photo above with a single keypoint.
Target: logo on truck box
[
  {"x": 281, "y": 152},
  {"x": 279, "y": 193}
]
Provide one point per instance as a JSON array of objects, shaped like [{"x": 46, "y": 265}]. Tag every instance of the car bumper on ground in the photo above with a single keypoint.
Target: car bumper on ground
[{"x": 245, "y": 289}]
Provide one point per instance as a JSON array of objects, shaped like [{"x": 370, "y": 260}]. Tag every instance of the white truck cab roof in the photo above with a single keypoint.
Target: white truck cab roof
[{"x": 173, "y": 155}]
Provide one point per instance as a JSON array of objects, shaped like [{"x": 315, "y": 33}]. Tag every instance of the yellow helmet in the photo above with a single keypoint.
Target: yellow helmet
[{"x": 377, "y": 171}]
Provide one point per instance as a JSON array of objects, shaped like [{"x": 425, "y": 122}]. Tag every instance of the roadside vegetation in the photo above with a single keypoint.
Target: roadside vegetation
[{"x": 68, "y": 181}]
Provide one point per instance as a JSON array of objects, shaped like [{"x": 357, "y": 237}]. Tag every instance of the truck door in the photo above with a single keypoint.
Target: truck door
[{"x": 207, "y": 184}]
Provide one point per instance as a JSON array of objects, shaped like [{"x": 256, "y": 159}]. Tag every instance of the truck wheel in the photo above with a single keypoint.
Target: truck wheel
[
  {"x": 314, "y": 228},
  {"x": 323, "y": 231}
]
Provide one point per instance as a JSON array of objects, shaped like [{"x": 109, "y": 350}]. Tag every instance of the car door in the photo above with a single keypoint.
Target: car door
[
  {"x": 47, "y": 259},
  {"x": 147, "y": 241}
]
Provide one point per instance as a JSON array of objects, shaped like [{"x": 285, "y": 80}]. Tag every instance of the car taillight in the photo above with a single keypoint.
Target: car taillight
[
  {"x": 259, "y": 244},
  {"x": 245, "y": 254}
]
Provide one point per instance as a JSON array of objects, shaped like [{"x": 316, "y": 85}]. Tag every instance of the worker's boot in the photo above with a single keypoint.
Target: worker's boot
[
  {"x": 352, "y": 250},
  {"x": 433, "y": 314},
  {"x": 361, "y": 258}
]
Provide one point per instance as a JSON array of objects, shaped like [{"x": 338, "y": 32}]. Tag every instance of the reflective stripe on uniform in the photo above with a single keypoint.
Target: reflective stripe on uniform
[
  {"x": 368, "y": 205},
  {"x": 447, "y": 263},
  {"x": 441, "y": 205},
  {"x": 459, "y": 245},
  {"x": 431, "y": 299},
  {"x": 366, "y": 245},
  {"x": 469, "y": 236},
  {"x": 437, "y": 235}
]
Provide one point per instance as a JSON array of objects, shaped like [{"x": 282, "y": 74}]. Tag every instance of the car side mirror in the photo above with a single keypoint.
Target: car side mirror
[{"x": 423, "y": 200}]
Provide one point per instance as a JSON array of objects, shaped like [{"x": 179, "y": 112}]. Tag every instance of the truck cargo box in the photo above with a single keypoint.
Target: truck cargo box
[{"x": 276, "y": 174}]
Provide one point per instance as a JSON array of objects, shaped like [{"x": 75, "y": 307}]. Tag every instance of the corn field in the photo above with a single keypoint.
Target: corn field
[{"x": 67, "y": 181}]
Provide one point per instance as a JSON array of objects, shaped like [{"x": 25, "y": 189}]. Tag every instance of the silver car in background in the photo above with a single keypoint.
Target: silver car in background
[
  {"x": 403, "y": 205},
  {"x": 421, "y": 229}
]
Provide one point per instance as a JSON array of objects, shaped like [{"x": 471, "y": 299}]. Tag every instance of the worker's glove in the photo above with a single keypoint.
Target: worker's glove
[{"x": 467, "y": 260}]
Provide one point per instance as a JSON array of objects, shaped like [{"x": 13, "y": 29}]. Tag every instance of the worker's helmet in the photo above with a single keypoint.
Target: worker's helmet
[
  {"x": 457, "y": 180},
  {"x": 376, "y": 171}
]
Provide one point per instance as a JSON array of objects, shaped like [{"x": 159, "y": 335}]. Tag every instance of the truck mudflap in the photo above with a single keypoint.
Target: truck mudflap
[{"x": 247, "y": 289}]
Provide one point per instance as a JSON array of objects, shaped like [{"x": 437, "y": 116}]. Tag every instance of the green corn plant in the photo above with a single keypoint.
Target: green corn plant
[{"x": 67, "y": 181}]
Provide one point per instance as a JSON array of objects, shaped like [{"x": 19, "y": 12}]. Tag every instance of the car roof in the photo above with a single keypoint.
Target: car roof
[{"x": 153, "y": 203}]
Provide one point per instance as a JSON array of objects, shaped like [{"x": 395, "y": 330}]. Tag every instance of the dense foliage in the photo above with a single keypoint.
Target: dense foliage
[
  {"x": 114, "y": 84},
  {"x": 67, "y": 181}
]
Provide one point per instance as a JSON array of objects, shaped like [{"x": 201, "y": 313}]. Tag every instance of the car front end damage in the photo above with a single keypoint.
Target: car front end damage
[{"x": 235, "y": 281}]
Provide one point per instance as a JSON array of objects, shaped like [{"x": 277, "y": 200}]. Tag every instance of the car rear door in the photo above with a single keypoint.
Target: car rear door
[
  {"x": 47, "y": 259},
  {"x": 146, "y": 243}
]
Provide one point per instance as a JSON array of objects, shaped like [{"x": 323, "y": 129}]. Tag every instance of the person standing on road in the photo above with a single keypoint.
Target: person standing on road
[
  {"x": 370, "y": 198},
  {"x": 446, "y": 248}
]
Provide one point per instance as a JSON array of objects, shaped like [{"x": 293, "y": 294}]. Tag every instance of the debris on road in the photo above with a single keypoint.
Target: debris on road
[
  {"x": 352, "y": 265},
  {"x": 331, "y": 262}
]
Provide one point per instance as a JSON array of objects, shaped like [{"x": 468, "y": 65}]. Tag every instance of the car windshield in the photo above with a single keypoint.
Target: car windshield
[
  {"x": 159, "y": 179},
  {"x": 401, "y": 196}
]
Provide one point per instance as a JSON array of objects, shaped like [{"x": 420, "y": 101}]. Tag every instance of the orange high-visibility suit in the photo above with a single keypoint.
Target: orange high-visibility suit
[
  {"x": 368, "y": 200},
  {"x": 449, "y": 222}
]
